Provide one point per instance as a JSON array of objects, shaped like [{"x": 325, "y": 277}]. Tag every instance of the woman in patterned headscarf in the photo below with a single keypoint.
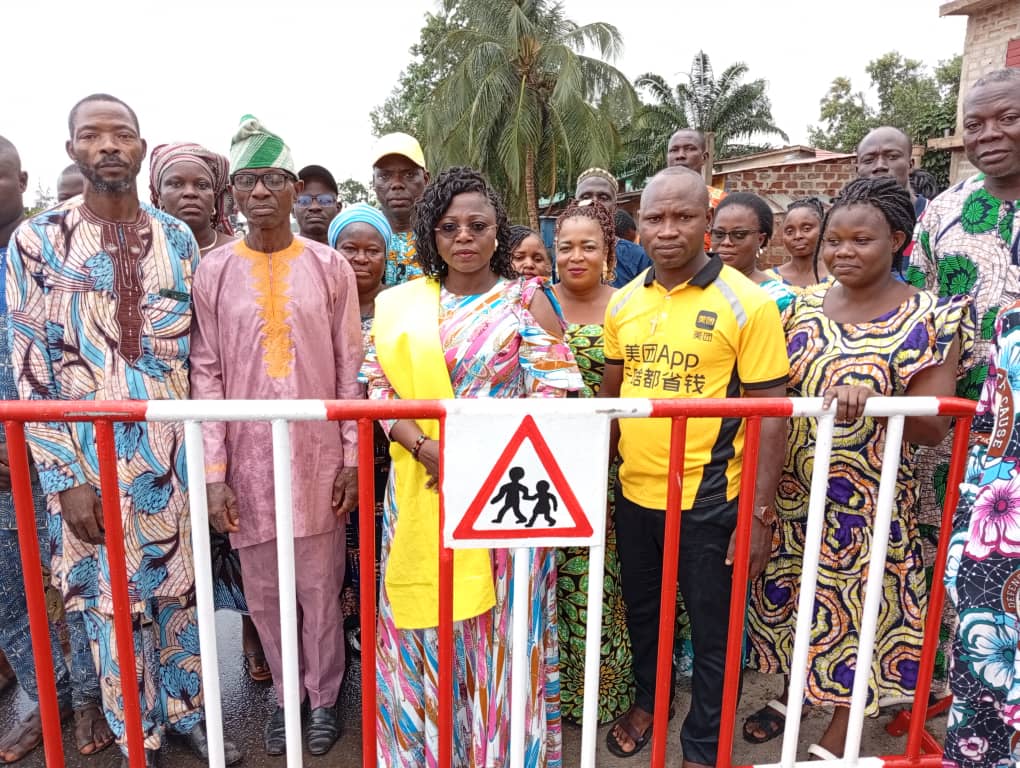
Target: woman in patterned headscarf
[{"x": 190, "y": 182}]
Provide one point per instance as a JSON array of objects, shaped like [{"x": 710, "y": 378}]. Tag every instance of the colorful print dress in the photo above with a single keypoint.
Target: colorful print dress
[
  {"x": 616, "y": 680},
  {"x": 507, "y": 355},
  {"x": 884, "y": 355},
  {"x": 983, "y": 572},
  {"x": 967, "y": 242}
]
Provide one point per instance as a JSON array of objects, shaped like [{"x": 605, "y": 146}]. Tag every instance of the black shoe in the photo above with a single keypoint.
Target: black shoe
[
  {"x": 276, "y": 733},
  {"x": 151, "y": 756},
  {"x": 198, "y": 740},
  {"x": 323, "y": 729}
]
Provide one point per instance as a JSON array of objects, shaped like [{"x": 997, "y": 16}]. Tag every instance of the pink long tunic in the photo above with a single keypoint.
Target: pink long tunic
[{"x": 280, "y": 326}]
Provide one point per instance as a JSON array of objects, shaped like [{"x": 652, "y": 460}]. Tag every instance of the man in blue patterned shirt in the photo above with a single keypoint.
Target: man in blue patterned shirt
[{"x": 79, "y": 688}]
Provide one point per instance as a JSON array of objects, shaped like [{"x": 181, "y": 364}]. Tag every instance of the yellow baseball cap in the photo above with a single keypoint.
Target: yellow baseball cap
[{"x": 402, "y": 144}]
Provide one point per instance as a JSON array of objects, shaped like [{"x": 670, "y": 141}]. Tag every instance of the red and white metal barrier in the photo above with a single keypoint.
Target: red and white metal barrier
[{"x": 280, "y": 413}]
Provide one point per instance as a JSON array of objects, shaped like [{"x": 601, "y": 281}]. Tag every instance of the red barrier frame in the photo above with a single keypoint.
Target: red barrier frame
[{"x": 103, "y": 415}]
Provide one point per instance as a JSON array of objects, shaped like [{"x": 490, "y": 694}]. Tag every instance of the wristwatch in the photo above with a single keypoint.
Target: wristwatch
[{"x": 766, "y": 514}]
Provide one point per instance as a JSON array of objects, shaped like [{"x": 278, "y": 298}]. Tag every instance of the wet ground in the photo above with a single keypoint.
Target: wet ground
[{"x": 246, "y": 706}]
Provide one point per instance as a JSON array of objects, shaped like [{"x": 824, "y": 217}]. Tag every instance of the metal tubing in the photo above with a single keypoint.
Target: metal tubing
[
  {"x": 368, "y": 555},
  {"x": 667, "y": 602},
  {"x": 873, "y": 594},
  {"x": 738, "y": 593},
  {"x": 35, "y": 593},
  {"x": 808, "y": 583},
  {"x": 519, "y": 671},
  {"x": 446, "y": 670},
  {"x": 937, "y": 593},
  {"x": 288, "y": 595},
  {"x": 592, "y": 654},
  {"x": 206, "y": 606},
  {"x": 114, "y": 537}
]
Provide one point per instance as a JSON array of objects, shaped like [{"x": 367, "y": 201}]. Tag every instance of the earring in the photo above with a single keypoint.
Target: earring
[{"x": 497, "y": 242}]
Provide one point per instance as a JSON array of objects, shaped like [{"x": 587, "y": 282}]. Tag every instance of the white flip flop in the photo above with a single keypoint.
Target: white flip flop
[{"x": 817, "y": 750}]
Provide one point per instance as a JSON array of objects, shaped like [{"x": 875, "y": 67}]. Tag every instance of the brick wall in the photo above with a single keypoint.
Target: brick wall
[
  {"x": 778, "y": 184},
  {"x": 989, "y": 31}
]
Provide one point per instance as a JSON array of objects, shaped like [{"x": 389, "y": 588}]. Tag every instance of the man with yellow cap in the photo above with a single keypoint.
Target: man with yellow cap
[
  {"x": 277, "y": 318},
  {"x": 399, "y": 178}
]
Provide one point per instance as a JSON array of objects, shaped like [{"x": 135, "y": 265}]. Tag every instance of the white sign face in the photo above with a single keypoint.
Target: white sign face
[{"x": 523, "y": 481}]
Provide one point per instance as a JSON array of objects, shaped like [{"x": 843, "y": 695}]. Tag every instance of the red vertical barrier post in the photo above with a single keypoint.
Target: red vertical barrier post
[
  {"x": 937, "y": 593},
  {"x": 115, "y": 555},
  {"x": 446, "y": 671},
  {"x": 738, "y": 595},
  {"x": 35, "y": 593},
  {"x": 368, "y": 555},
  {"x": 667, "y": 604}
]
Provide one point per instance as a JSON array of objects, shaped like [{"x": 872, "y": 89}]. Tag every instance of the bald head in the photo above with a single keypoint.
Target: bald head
[
  {"x": 885, "y": 151},
  {"x": 679, "y": 179},
  {"x": 70, "y": 183},
  {"x": 686, "y": 148},
  {"x": 13, "y": 182},
  {"x": 991, "y": 131}
]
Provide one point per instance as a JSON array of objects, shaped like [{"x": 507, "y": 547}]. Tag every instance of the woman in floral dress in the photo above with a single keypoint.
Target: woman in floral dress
[
  {"x": 585, "y": 257},
  {"x": 866, "y": 334},
  {"x": 983, "y": 571},
  {"x": 471, "y": 328}
]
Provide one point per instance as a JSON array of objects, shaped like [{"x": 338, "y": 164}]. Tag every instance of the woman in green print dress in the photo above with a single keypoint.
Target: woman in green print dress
[{"x": 585, "y": 255}]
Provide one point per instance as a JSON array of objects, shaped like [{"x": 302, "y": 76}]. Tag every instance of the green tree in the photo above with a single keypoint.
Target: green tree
[
  {"x": 735, "y": 111},
  {"x": 353, "y": 191},
  {"x": 919, "y": 102},
  {"x": 847, "y": 117},
  {"x": 431, "y": 61},
  {"x": 521, "y": 104}
]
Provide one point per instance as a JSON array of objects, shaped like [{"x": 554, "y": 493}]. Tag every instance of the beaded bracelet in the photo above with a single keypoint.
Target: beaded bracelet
[{"x": 417, "y": 445}]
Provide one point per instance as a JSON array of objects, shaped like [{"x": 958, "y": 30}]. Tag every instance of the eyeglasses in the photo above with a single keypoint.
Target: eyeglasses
[
  {"x": 406, "y": 176},
  {"x": 736, "y": 235},
  {"x": 325, "y": 200},
  {"x": 274, "y": 181},
  {"x": 449, "y": 230}
]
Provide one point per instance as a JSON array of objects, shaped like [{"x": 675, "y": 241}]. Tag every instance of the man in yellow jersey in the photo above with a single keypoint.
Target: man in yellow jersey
[{"x": 688, "y": 326}]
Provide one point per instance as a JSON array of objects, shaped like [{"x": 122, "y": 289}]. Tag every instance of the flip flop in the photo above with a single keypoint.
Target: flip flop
[
  {"x": 92, "y": 733},
  {"x": 770, "y": 719},
  {"x": 639, "y": 739},
  {"x": 821, "y": 753}
]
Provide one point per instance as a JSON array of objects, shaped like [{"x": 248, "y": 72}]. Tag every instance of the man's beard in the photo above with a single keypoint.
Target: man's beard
[{"x": 104, "y": 187}]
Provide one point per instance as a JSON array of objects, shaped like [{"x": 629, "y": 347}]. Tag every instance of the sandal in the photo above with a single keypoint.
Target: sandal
[
  {"x": 818, "y": 752},
  {"x": 25, "y": 736},
  {"x": 639, "y": 739},
  {"x": 92, "y": 733},
  {"x": 256, "y": 666},
  {"x": 770, "y": 720}
]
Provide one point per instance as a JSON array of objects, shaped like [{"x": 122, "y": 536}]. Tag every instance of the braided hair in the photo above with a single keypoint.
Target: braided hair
[
  {"x": 754, "y": 203},
  {"x": 518, "y": 234},
  {"x": 597, "y": 212},
  {"x": 434, "y": 203},
  {"x": 888, "y": 198},
  {"x": 812, "y": 204}
]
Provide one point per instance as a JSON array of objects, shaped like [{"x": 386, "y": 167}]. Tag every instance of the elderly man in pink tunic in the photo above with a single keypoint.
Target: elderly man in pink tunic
[{"x": 277, "y": 318}]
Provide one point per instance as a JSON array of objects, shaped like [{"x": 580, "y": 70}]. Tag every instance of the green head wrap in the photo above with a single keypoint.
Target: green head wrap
[{"x": 254, "y": 146}]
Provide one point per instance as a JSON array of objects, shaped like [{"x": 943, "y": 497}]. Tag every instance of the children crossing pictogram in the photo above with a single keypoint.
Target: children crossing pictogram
[{"x": 525, "y": 495}]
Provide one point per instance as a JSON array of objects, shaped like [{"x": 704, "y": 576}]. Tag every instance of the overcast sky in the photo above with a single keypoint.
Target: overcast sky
[{"x": 313, "y": 70}]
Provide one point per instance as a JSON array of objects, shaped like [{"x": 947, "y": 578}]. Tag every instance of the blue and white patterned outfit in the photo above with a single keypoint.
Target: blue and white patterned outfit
[{"x": 101, "y": 310}]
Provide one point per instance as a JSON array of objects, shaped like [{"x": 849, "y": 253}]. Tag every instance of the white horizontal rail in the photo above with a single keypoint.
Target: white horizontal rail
[{"x": 315, "y": 410}]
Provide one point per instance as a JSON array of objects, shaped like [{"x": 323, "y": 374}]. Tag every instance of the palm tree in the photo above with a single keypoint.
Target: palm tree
[
  {"x": 520, "y": 105},
  {"x": 735, "y": 112}
]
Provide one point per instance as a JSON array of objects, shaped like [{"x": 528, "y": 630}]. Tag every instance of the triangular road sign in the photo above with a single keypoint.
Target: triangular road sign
[{"x": 572, "y": 522}]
